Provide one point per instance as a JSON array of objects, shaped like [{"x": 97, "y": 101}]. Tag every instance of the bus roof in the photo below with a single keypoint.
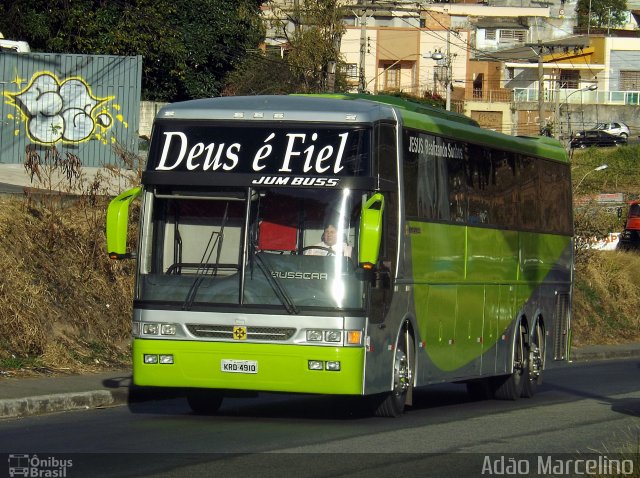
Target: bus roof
[
  {"x": 461, "y": 127},
  {"x": 405, "y": 104},
  {"x": 278, "y": 108},
  {"x": 359, "y": 108}
]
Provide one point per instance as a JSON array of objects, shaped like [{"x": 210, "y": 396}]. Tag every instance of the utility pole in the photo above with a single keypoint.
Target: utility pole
[
  {"x": 449, "y": 71},
  {"x": 556, "y": 127},
  {"x": 296, "y": 13},
  {"x": 540, "y": 87},
  {"x": 447, "y": 62},
  {"x": 362, "y": 82}
]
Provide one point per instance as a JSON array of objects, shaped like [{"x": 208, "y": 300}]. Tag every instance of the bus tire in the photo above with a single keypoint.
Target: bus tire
[
  {"x": 392, "y": 404},
  {"x": 510, "y": 387},
  {"x": 204, "y": 402},
  {"x": 535, "y": 363}
]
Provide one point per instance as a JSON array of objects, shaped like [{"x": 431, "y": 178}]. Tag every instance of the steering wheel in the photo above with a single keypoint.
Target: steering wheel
[{"x": 329, "y": 251}]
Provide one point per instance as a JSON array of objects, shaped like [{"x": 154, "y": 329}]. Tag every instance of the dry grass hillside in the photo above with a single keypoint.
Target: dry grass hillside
[
  {"x": 607, "y": 283},
  {"x": 606, "y": 299},
  {"x": 65, "y": 307}
]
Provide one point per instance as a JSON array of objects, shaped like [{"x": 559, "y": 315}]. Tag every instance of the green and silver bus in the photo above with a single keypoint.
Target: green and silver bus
[{"x": 454, "y": 265}]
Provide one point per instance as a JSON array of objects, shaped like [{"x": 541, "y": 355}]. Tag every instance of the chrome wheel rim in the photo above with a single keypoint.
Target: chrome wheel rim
[{"x": 401, "y": 373}]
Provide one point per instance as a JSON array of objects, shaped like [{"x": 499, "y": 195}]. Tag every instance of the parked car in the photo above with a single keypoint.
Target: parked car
[
  {"x": 585, "y": 139},
  {"x": 614, "y": 128}
]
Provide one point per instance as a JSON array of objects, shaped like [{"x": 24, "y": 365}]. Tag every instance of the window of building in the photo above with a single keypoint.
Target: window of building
[
  {"x": 351, "y": 70},
  {"x": 513, "y": 36},
  {"x": 490, "y": 34},
  {"x": 509, "y": 73},
  {"x": 629, "y": 80},
  {"x": 569, "y": 79},
  {"x": 391, "y": 76}
]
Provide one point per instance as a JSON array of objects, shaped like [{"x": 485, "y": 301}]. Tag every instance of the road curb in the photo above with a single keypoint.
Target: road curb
[
  {"x": 59, "y": 402},
  {"x": 604, "y": 352},
  {"x": 86, "y": 400}
]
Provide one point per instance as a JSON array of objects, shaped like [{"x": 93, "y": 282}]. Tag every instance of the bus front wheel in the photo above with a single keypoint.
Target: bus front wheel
[
  {"x": 204, "y": 402},
  {"x": 392, "y": 404}
]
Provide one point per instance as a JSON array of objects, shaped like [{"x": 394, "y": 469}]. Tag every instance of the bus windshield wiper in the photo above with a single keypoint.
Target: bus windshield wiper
[
  {"x": 205, "y": 267},
  {"x": 276, "y": 285}
]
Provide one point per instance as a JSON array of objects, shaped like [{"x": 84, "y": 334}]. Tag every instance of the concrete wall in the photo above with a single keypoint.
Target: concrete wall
[
  {"x": 577, "y": 117},
  {"x": 148, "y": 111},
  {"x": 585, "y": 117}
]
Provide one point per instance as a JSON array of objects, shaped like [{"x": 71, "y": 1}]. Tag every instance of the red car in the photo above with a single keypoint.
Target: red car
[{"x": 630, "y": 237}]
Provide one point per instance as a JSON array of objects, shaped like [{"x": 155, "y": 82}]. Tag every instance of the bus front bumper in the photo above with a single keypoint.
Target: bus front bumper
[{"x": 248, "y": 366}]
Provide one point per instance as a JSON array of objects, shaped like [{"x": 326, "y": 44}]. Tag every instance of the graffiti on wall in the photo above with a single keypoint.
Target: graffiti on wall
[{"x": 52, "y": 111}]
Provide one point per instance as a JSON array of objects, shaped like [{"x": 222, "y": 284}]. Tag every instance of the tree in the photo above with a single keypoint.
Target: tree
[
  {"x": 262, "y": 73},
  {"x": 312, "y": 30},
  {"x": 601, "y": 13},
  {"x": 188, "y": 46},
  {"x": 219, "y": 33}
]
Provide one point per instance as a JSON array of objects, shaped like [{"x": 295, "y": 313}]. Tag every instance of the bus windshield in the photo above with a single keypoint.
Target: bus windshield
[{"x": 283, "y": 248}]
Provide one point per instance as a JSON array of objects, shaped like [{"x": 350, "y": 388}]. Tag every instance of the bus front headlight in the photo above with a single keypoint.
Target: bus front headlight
[
  {"x": 314, "y": 335},
  {"x": 333, "y": 335}
]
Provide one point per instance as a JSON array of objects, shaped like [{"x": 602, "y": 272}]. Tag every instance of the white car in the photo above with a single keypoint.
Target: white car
[{"x": 616, "y": 129}]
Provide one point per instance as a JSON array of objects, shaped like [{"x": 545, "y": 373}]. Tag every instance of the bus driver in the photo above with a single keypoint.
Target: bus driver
[{"x": 327, "y": 246}]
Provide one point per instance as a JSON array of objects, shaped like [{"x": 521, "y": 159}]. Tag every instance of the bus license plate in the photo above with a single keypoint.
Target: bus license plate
[{"x": 239, "y": 366}]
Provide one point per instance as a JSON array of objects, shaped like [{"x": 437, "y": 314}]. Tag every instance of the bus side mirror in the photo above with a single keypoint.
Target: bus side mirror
[
  {"x": 370, "y": 234},
  {"x": 118, "y": 223}
]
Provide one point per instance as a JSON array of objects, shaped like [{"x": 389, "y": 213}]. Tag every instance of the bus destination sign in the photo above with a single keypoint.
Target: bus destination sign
[{"x": 272, "y": 156}]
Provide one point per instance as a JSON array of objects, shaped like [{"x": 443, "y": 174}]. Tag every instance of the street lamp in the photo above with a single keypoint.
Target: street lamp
[
  {"x": 599, "y": 168},
  {"x": 446, "y": 60},
  {"x": 440, "y": 58},
  {"x": 566, "y": 102}
]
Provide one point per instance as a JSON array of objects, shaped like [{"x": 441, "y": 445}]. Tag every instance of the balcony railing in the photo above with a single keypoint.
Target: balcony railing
[
  {"x": 491, "y": 96},
  {"x": 578, "y": 96}
]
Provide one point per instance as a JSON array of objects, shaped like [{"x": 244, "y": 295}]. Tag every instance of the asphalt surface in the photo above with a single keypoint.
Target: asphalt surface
[{"x": 20, "y": 397}]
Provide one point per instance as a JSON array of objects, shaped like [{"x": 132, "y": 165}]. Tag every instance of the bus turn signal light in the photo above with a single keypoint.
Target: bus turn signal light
[{"x": 354, "y": 337}]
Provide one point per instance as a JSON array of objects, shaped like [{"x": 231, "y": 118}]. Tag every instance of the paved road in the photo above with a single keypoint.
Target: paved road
[
  {"x": 11, "y": 189},
  {"x": 580, "y": 409}
]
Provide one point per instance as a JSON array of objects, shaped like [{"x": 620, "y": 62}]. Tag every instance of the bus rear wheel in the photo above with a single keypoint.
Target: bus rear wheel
[
  {"x": 392, "y": 404},
  {"x": 510, "y": 387},
  {"x": 535, "y": 363},
  {"x": 204, "y": 402}
]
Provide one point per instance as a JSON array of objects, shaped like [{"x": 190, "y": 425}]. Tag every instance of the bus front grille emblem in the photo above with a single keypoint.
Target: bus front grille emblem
[{"x": 239, "y": 333}]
